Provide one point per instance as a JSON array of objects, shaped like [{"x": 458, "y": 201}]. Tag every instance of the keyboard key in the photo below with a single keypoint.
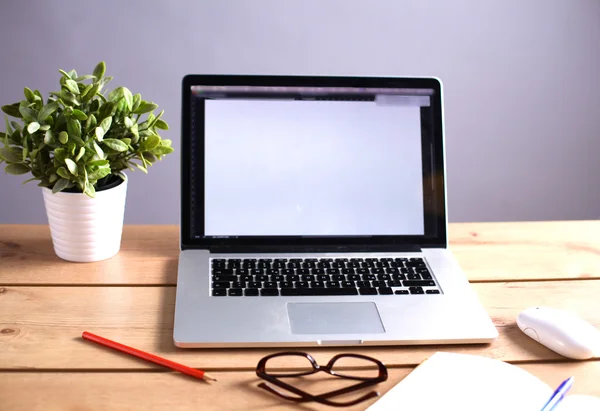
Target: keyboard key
[
  {"x": 392, "y": 271},
  {"x": 236, "y": 292},
  {"x": 254, "y": 284},
  {"x": 286, "y": 284},
  {"x": 288, "y": 271},
  {"x": 426, "y": 276},
  {"x": 400, "y": 292},
  {"x": 418, "y": 283},
  {"x": 339, "y": 277},
  {"x": 276, "y": 278},
  {"x": 385, "y": 290},
  {"x": 384, "y": 277},
  {"x": 413, "y": 276},
  {"x": 363, "y": 271},
  {"x": 220, "y": 284},
  {"x": 366, "y": 291},
  {"x": 332, "y": 271},
  {"x": 251, "y": 292},
  {"x": 307, "y": 277},
  {"x": 363, "y": 284},
  {"x": 269, "y": 292},
  {"x": 368, "y": 277},
  {"x": 378, "y": 284},
  {"x": 322, "y": 277},
  {"x": 332, "y": 284},
  {"x": 399, "y": 277},
  {"x": 348, "y": 284},
  {"x": 226, "y": 278},
  {"x": 377, "y": 271},
  {"x": 354, "y": 277},
  {"x": 219, "y": 293},
  {"x": 301, "y": 284},
  {"x": 317, "y": 284},
  {"x": 319, "y": 291},
  {"x": 394, "y": 283},
  {"x": 238, "y": 284},
  {"x": 261, "y": 278},
  {"x": 347, "y": 271},
  {"x": 270, "y": 284},
  {"x": 303, "y": 271},
  {"x": 246, "y": 277},
  {"x": 291, "y": 278},
  {"x": 432, "y": 292},
  {"x": 416, "y": 290}
]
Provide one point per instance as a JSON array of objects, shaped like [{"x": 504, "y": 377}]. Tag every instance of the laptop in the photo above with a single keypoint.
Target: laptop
[{"x": 313, "y": 213}]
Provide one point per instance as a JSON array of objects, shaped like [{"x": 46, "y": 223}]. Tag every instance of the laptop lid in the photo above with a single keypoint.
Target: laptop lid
[{"x": 306, "y": 163}]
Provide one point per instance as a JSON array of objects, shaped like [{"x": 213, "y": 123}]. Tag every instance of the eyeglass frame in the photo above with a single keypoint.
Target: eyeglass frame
[{"x": 273, "y": 378}]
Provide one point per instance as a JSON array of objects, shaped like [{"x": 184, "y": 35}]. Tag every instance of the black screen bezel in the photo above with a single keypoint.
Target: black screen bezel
[{"x": 433, "y": 183}]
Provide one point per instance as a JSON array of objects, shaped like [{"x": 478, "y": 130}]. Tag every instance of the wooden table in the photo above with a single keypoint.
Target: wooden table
[{"x": 46, "y": 303}]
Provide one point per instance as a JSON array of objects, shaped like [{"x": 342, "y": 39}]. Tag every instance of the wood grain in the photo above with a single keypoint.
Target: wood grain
[
  {"x": 486, "y": 251},
  {"x": 40, "y": 327},
  {"x": 49, "y": 391}
]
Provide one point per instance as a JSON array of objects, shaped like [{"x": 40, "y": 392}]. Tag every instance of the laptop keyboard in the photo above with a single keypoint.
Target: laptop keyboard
[{"x": 271, "y": 277}]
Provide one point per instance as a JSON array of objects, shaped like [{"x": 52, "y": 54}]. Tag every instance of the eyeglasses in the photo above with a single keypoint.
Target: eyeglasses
[{"x": 334, "y": 367}]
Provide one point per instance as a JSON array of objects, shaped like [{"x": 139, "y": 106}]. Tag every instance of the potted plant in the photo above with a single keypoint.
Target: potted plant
[{"x": 77, "y": 145}]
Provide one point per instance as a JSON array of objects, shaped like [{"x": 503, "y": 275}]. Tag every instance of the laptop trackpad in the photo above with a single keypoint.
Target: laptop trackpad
[{"x": 334, "y": 318}]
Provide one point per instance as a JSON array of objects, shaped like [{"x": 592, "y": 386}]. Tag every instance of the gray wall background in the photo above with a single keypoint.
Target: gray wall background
[{"x": 521, "y": 79}]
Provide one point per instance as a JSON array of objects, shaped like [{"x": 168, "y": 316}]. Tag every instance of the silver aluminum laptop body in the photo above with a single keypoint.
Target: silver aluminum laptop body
[{"x": 296, "y": 187}]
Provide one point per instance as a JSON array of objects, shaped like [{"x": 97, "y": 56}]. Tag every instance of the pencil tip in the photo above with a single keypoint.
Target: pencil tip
[{"x": 209, "y": 377}]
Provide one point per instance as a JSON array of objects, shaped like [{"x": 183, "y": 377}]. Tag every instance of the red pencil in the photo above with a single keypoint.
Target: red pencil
[{"x": 147, "y": 356}]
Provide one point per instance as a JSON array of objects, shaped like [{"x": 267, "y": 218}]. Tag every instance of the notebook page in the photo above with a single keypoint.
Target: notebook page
[{"x": 448, "y": 381}]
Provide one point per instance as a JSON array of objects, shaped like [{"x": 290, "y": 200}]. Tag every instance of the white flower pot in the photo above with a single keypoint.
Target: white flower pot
[{"x": 86, "y": 229}]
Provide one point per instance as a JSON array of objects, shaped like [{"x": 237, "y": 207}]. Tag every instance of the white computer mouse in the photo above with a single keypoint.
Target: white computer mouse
[{"x": 561, "y": 331}]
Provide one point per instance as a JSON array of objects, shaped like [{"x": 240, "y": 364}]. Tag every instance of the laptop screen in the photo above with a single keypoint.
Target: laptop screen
[{"x": 309, "y": 162}]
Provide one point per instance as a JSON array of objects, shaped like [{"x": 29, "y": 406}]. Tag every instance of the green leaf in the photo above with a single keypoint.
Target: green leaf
[
  {"x": 17, "y": 169},
  {"x": 80, "y": 154},
  {"x": 28, "y": 114},
  {"x": 60, "y": 154},
  {"x": 128, "y": 122},
  {"x": 69, "y": 98},
  {"x": 115, "y": 144},
  {"x": 63, "y": 137},
  {"x": 52, "y": 178},
  {"x": 47, "y": 110},
  {"x": 162, "y": 150},
  {"x": 89, "y": 94},
  {"x": 137, "y": 98},
  {"x": 136, "y": 134},
  {"x": 11, "y": 155},
  {"x": 99, "y": 70},
  {"x": 150, "y": 143},
  {"x": 85, "y": 77},
  {"x": 71, "y": 166},
  {"x": 99, "y": 133},
  {"x": 16, "y": 126},
  {"x": 145, "y": 107},
  {"x": 60, "y": 185},
  {"x": 74, "y": 127},
  {"x": 45, "y": 127},
  {"x": 64, "y": 73},
  {"x": 79, "y": 115},
  {"x": 49, "y": 137},
  {"x": 106, "y": 123},
  {"x": 99, "y": 151},
  {"x": 29, "y": 95},
  {"x": 90, "y": 123},
  {"x": 99, "y": 173},
  {"x": 73, "y": 74},
  {"x": 89, "y": 190},
  {"x": 12, "y": 110},
  {"x": 33, "y": 127},
  {"x": 61, "y": 171},
  {"x": 72, "y": 86},
  {"x": 128, "y": 98},
  {"x": 161, "y": 124},
  {"x": 98, "y": 163},
  {"x": 25, "y": 152}
]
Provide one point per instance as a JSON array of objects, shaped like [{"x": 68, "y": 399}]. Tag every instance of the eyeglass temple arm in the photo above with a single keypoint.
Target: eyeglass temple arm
[{"x": 321, "y": 399}]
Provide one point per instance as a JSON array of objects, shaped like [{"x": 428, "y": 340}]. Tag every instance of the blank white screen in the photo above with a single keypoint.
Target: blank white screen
[{"x": 277, "y": 167}]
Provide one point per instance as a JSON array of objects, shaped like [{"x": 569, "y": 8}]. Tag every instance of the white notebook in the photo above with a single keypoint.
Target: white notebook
[{"x": 449, "y": 381}]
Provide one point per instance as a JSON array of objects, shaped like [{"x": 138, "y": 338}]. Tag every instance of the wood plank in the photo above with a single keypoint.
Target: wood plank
[
  {"x": 40, "y": 327},
  {"x": 527, "y": 250},
  {"x": 148, "y": 256},
  {"x": 486, "y": 251},
  {"x": 49, "y": 391}
]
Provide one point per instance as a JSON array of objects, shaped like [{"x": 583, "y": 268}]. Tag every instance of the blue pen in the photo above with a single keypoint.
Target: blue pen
[{"x": 559, "y": 394}]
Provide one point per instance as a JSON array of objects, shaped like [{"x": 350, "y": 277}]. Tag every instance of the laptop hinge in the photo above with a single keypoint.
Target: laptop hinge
[{"x": 395, "y": 248}]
